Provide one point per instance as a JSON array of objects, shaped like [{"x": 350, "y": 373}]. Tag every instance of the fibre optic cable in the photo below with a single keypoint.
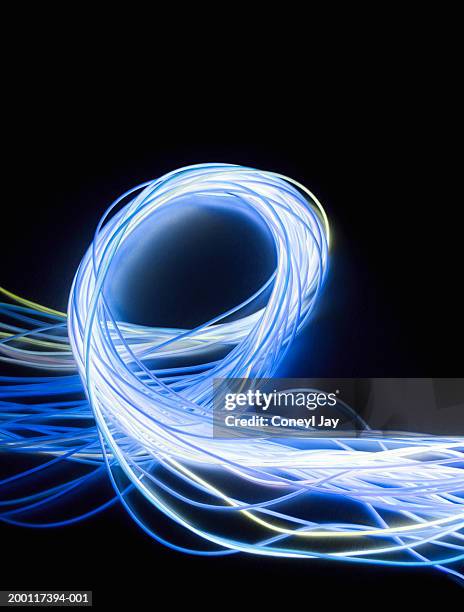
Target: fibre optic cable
[{"x": 110, "y": 404}]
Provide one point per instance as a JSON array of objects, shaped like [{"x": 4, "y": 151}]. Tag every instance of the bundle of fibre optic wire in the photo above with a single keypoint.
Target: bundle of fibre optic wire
[{"x": 100, "y": 401}]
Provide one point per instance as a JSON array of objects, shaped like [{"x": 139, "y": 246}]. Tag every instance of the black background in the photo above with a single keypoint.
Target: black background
[{"x": 392, "y": 307}]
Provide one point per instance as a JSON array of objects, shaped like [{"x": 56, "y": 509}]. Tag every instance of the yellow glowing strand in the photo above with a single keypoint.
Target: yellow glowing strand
[
  {"x": 319, "y": 206},
  {"x": 313, "y": 534},
  {"x": 30, "y": 304},
  {"x": 27, "y": 340}
]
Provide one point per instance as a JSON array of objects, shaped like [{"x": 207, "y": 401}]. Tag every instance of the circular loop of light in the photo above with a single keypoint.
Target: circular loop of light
[{"x": 169, "y": 416}]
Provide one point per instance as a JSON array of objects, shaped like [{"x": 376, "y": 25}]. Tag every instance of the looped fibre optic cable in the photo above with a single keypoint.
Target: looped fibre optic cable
[{"x": 373, "y": 499}]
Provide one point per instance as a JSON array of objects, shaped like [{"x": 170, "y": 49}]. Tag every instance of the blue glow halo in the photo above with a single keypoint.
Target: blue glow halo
[{"x": 111, "y": 356}]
